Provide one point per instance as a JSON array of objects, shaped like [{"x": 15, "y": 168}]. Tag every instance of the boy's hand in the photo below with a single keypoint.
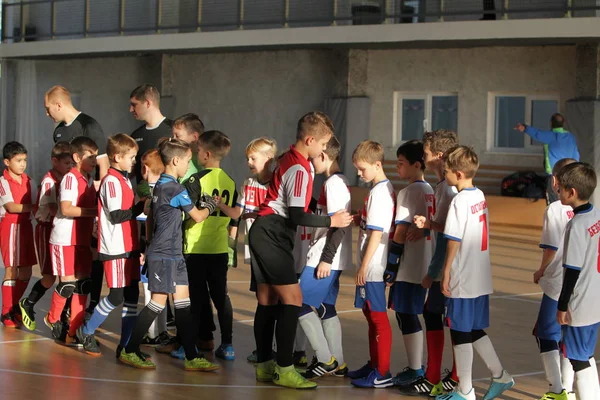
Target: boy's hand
[
  {"x": 427, "y": 281},
  {"x": 142, "y": 259},
  {"x": 206, "y": 201},
  {"x": 323, "y": 270},
  {"x": 520, "y": 127},
  {"x": 420, "y": 221},
  {"x": 361, "y": 276},
  {"x": 537, "y": 275},
  {"x": 389, "y": 277},
  {"x": 563, "y": 317},
  {"x": 413, "y": 234},
  {"x": 218, "y": 200},
  {"x": 341, "y": 219},
  {"x": 356, "y": 218},
  {"x": 446, "y": 284}
]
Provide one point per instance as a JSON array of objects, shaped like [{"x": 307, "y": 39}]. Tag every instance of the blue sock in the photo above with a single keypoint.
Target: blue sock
[
  {"x": 129, "y": 316},
  {"x": 100, "y": 313}
]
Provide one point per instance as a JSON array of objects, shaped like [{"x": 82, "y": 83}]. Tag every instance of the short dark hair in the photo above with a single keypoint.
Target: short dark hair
[
  {"x": 81, "y": 144},
  {"x": 557, "y": 120},
  {"x": 560, "y": 164},
  {"x": 191, "y": 122},
  {"x": 146, "y": 92},
  {"x": 440, "y": 140},
  {"x": 413, "y": 152},
  {"x": 333, "y": 149},
  {"x": 216, "y": 142},
  {"x": 579, "y": 176},
  {"x": 12, "y": 149},
  {"x": 61, "y": 150},
  {"x": 171, "y": 148},
  {"x": 314, "y": 123}
]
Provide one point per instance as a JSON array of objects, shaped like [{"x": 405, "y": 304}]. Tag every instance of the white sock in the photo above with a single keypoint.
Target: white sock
[
  {"x": 486, "y": 351},
  {"x": 333, "y": 333},
  {"x": 159, "y": 325},
  {"x": 300, "y": 344},
  {"x": 551, "y": 362},
  {"x": 313, "y": 330},
  {"x": 463, "y": 356},
  {"x": 567, "y": 374},
  {"x": 413, "y": 343},
  {"x": 587, "y": 383}
]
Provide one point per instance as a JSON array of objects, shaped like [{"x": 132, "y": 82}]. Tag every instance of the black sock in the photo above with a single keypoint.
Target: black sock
[
  {"x": 226, "y": 321},
  {"x": 37, "y": 292},
  {"x": 185, "y": 327},
  {"x": 96, "y": 290},
  {"x": 142, "y": 324},
  {"x": 286, "y": 334},
  {"x": 264, "y": 327}
]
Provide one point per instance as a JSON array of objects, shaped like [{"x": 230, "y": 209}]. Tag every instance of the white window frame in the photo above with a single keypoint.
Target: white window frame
[
  {"x": 402, "y": 95},
  {"x": 534, "y": 149}
]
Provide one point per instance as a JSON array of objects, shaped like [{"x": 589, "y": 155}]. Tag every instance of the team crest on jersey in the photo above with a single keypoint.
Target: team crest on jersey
[{"x": 192, "y": 179}]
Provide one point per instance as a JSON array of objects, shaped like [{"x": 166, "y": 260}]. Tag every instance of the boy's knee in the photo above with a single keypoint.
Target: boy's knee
[
  {"x": 409, "y": 323},
  {"x": 459, "y": 338},
  {"x": 326, "y": 311},
  {"x": 83, "y": 286},
  {"x": 477, "y": 334},
  {"x": 131, "y": 293},
  {"x": 580, "y": 365},
  {"x": 66, "y": 289},
  {"x": 115, "y": 296},
  {"x": 433, "y": 321}
]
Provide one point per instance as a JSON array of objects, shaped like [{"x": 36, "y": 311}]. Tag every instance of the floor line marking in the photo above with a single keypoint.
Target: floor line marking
[{"x": 23, "y": 340}]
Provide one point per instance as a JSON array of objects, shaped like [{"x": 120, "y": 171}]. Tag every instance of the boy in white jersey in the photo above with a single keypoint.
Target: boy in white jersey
[
  {"x": 578, "y": 309},
  {"x": 47, "y": 203},
  {"x": 467, "y": 277},
  {"x": 435, "y": 144},
  {"x": 329, "y": 253},
  {"x": 408, "y": 261},
  {"x": 549, "y": 276},
  {"x": 376, "y": 222}
]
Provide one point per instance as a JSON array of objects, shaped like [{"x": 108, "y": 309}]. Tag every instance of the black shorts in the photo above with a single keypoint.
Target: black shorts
[
  {"x": 166, "y": 273},
  {"x": 271, "y": 242}
]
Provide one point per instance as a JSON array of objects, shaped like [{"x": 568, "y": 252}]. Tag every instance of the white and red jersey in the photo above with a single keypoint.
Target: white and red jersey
[
  {"x": 252, "y": 194},
  {"x": 444, "y": 194},
  {"x": 335, "y": 196},
  {"x": 377, "y": 215},
  {"x": 69, "y": 231},
  {"x": 467, "y": 222},
  {"x": 582, "y": 252},
  {"x": 48, "y": 194},
  {"x": 12, "y": 191},
  {"x": 291, "y": 185},
  {"x": 115, "y": 240},
  {"x": 556, "y": 218},
  {"x": 415, "y": 199}
]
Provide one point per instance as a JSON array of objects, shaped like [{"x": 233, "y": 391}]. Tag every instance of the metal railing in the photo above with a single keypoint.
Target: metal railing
[{"x": 30, "y": 20}]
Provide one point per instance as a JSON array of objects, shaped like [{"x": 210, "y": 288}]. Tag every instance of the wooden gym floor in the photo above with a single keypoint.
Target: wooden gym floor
[{"x": 32, "y": 366}]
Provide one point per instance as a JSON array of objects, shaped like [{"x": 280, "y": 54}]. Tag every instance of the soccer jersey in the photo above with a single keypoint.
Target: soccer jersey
[
  {"x": 193, "y": 167},
  {"x": 377, "y": 215},
  {"x": 116, "y": 240},
  {"x": 209, "y": 236},
  {"x": 48, "y": 194},
  {"x": 169, "y": 199},
  {"x": 335, "y": 196},
  {"x": 467, "y": 223},
  {"x": 12, "y": 191},
  {"x": 581, "y": 253},
  {"x": 556, "y": 218},
  {"x": 252, "y": 194},
  {"x": 415, "y": 199},
  {"x": 444, "y": 194},
  {"x": 82, "y": 125},
  {"x": 147, "y": 139},
  {"x": 291, "y": 185},
  {"x": 70, "y": 231}
]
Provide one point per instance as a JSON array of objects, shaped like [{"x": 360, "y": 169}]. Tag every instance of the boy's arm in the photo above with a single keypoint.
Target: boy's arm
[
  {"x": 231, "y": 212},
  {"x": 6, "y": 199},
  {"x": 451, "y": 251},
  {"x": 149, "y": 224},
  {"x": 372, "y": 244},
  {"x": 573, "y": 262},
  {"x": 456, "y": 222},
  {"x": 111, "y": 195},
  {"x": 206, "y": 203},
  {"x": 69, "y": 210},
  {"x": 547, "y": 257},
  {"x": 68, "y": 195}
]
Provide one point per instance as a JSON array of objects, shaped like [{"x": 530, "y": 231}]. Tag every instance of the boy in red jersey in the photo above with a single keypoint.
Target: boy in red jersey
[{"x": 18, "y": 198}]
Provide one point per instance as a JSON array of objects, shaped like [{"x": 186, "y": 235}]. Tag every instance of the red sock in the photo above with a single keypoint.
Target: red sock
[
  {"x": 383, "y": 332},
  {"x": 435, "y": 352},
  {"x": 8, "y": 293},
  {"x": 20, "y": 288},
  {"x": 78, "y": 303},
  {"x": 454, "y": 375},
  {"x": 372, "y": 339},
  {"x": 56, "y": 307}
]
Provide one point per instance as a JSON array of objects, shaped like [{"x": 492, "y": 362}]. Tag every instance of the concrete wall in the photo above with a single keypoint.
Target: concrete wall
[{"x": 472, "y": 73}]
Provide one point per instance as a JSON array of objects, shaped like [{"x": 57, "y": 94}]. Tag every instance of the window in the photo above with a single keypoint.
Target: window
[
  {"x": 415, "y": 113},
  {"x": 506, "y": 110}
]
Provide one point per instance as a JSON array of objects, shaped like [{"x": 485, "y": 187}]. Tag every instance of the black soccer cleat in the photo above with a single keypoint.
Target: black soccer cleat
[{"x": 318, "y": 369}]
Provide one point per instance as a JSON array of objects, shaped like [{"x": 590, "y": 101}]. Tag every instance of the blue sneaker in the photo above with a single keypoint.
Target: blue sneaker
[
  {"x": 457, "y": 395},
  {"x": 374, "y": 380},
  {"x": 499, "y": 386},
  {"x": 362, "y": 372},
  {"x": 225, "y": 351},
  {"x": 179, "y": 353},
  {"x": 408, "y": 376}
]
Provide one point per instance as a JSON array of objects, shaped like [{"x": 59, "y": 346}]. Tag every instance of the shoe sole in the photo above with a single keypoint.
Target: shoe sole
[
  {"x": 30, "y": 327},
  {"x": 206, "y": 369},
  {"x": 499, "y": 393},
  {"x": 297, "y": 388},
  {"x": 90, "y": 353},
  {"x": 137, "y": 365}
]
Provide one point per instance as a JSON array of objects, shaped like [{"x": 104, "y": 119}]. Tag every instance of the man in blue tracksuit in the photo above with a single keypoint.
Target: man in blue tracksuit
[{"x": 558, "y": 144}]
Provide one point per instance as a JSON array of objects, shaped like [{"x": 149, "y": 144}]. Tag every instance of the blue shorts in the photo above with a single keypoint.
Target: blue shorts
[
  {"x": 436, "y": 301},
  {"x": 317, "y": 291},
  {"x": 373, "y": 294},
  {"x": 466, "y": 315},
  {"x": 407, "y": 298},
  {"x": 143, "y": 277},
  {"x": 579, "y": 342},
  {"x": 547, "y": 326}
]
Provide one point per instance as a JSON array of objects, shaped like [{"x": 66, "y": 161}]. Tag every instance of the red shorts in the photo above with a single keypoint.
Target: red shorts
[
  {"x": 15, "y": 243},
  {"x": 122, "y": 272},
  {"x": 71, "y": 260},
  {"x": 42, "y": 243}
]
